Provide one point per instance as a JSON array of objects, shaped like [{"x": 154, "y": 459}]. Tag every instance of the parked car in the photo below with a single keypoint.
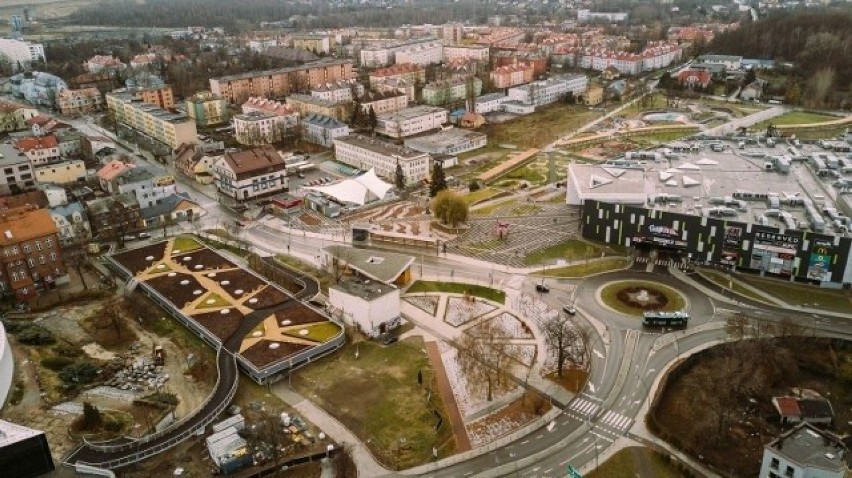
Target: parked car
[
  {"x": 144, "y": 235},
  {"x": 569, "y": 309},
  {"x": 542, "y": 288},
  {"x": 301, "y": 175}
]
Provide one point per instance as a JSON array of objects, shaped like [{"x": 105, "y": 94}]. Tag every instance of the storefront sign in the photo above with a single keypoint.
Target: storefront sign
[
  {"x": 778, "y": 240},
  {"x": 733, "y": 235},
  {"x": 662, "y": 230}
]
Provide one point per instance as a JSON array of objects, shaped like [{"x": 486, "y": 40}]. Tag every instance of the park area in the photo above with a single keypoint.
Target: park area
[
  {"x": 387, "y": 396},
  {"x": 635, "y": 297},
  {"x": 635, "y": 462},
  {"x": 737, "y": 416}
]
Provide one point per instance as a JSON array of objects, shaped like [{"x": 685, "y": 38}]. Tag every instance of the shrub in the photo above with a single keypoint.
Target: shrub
[
  {"x": 56, "y": 363},
  {"x": 66, "y": 350},
  {"x": 79, "y": 372},
  {"x": 36, "y": 335}
]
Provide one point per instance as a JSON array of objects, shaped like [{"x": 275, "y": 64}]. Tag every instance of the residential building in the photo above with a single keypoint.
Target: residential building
[
  {"x": 148, "y": 185},
  {"x": 367, "y": 153},
  {"x": 79, "y": 102},
  {"x": 450, "y": 141},
  {"x": 101, "y": 63},
  {"x": 144, "y": 60},
  {"x": 411, "y": 121},
  {"x": 66, "y": 172},
  {"x": 35, "y": 197},
  {"x": 489, "y": 103},
  {"x": 394, "y": 85},
  {"x": 20, "y": 54},
  {"x": 807, "y": 406},
  {"x": 171, "y": 129},
  {"x": 731, "y": 62},
  {"x": 42, "y": 125},
  {"x": 694, "y": 78},
  {"x": 512, "y": 75},
  {"x": 32, "y": 257},
  {"x": 593, "y": 96},
  {"x": 539, "y": 62},
  {"x": 548, "y": 91},
  {"x": 428, "y": 53},
  {"x": 113, "y": 217},
  {"x": 160, "y": 96},
  {"x": 193, "y": 162},
  {"x": 250, "y": 174},
  {"x": 382, "y": 103},
  {"x": 259, "y": 127},
  {"x": 13, "y": 116},
  {"x": 323, "y": 130},
  {"x": 585, "y": 15},
  {"x": 276, "y": 83},
  {"x": 421, "y": 51},
  {"x": 71, "y": 222},
  {"x": 261, "y": 45},
  {"x": 805, "y": 452},
  {"x": 56, "y": 195},
  {"x": 207, "y": 109},
  {"x": 371, "y": 307},
  {"x": 40, "y": 150},
  {"x": 452, "y": 90},
  {"x": 466, "y": 52},
  {"x": 171, "y": 209},
  {"x": 306, "y": 104},
  {"x": 38, "y": 88},
  {"x": 387, "y": 268},
  {"x": 17, "y": 171},
  {"x": 318, "y": 44},
  {"x": 70, "y": 143},
  {"x": 270, "y": 106},
  {"x": 23, "y": 451},
  {"x": 452, "y": 33},
  {"x": 338, "y": 91},
  {"x": 103, "y": 81},
  {"x": 410, "y": 73}
]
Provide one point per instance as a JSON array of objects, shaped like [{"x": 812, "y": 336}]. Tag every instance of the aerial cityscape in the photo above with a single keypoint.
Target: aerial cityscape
[{"x": 426, "y": 238}]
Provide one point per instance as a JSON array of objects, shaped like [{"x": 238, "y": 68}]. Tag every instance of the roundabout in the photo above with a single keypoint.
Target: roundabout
[{"x": 634, "y": 297}]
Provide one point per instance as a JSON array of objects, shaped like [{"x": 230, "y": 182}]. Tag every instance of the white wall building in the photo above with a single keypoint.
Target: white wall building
[
  {"x": 464, "y": 52},
  {"x": 411, "y": 121},
  {"x": 250, "y": 174},
  {"x": 489, "y": 103},
  {"x": 585, "y": 15},
  {"x": 365, "y": 153},
  {"x": 420, "y": 52},
  {"x": 20, "y": 52},
  {"x": 450, "y": 141},
  {"x": 258, "y": 127},
  {"x": 339, "y": 91},
  {"x": 805, "y": 452},
  {"x": 548, "y": 91},
  {"x": 323, "y": 130},
  {"x": 371, "y": 306}
]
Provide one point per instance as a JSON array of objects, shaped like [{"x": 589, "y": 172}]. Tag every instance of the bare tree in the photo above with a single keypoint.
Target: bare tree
[
  {"x": 561, "y": 336},
  {"x": 485, "y": 356}
]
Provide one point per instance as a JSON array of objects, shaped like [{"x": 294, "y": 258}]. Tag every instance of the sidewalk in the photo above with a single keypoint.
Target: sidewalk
[
  {"x": 364, "y": 461},
  {"x": 446, "y": 390}
]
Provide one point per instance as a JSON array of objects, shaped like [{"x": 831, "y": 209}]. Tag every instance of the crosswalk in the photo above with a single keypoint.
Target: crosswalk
[
  {"x": 617, "y": 421},
  {"x": 661, "y": 262},
  {"x": 607, "y": 423},
  {"x": 583, "y": 407}
]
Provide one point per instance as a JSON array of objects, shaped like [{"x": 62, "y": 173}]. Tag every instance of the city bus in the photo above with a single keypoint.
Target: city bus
[{"x": 665, "y": 319}]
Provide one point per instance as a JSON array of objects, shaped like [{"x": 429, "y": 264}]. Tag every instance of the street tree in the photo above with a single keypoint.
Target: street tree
[
  {"x": 450, "y": 208},
  {"x": 485, "y": 356},
  {"x": 438, "y": 182},
  {"x": 562, "y": 337},
  {"x": 372, "y": 120},
  {"x": 399, "y": 177}
]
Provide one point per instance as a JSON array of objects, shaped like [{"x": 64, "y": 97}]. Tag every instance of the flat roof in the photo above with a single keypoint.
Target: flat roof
[
  {"x": 810, "y": 446},
  {"x": 366, "y": 290},
  {"x": 410, "y": 113},
  {"x": 279, "y": 71},
  {"x": 379, "y": 146},
  {"x": 447, "y": 137},
  {"x": 378, "y": 265},
  {"x": 13, "y": 433}
]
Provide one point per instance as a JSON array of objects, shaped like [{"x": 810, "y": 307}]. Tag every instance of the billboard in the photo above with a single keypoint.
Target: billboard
[
  {"x": 774, "y": 253},
  {"x": 819, "y": 263}
]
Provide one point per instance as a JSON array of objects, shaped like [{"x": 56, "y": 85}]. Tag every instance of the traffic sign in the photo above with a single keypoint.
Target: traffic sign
[{"x": 573, "y": 472}]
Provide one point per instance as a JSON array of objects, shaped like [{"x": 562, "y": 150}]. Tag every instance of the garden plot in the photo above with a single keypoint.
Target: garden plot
[
  {"x": 513, "y": 326},
  {"x": 470, "y": 397},
  {"x": 426, "y": 303},
  {"x": 461, "y": 310}
]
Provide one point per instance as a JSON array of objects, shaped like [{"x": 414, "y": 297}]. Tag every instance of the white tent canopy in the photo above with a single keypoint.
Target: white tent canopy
[{"x": 359, "y": 190}]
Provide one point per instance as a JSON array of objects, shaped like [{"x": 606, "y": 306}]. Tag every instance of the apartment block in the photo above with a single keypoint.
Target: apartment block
[
  {"x": 423, "y": 51},
  {"x": 314, "y": 43},
  {"x": 323, "y": 130},
  {"x": 411, "y": 121},
  {"x": 805, "y": 452},
  {"x": 66, "y": 172},
  {"x": 512, "y": 75},
  {"x": 383, "y": 102},
  {"x": 451, "y": 141},
  {"x": 207, "y": 109},
  {"x": 393, "y": 85},
  {"x": 160, "y": 96},
  {"x": 367, "y": 153},
  {"x": 23, "y": 52},
  {"x": 171, "y": 129},
  {"x": 448, "y": 91},
  {"x": 259, "y": 127},
  {"x": 113, "y": 217},
  {"x": 281, "y": 82},
  {"x": 466, "y": 52},
  {"x": 428, "y": 53},
  {"x": 548, "y": 91},
  {"x": 250, "y": 174},
  {"x": 17, "y": 171},
  {"x": 79, "y": 102},
  {"x": 338, "y": 91},
  {"x": 410, "y": 73},
  {"x": 101, "y": 63},
  {"x": 31, "y": 258},
  {"x": 40, "y": 150},
  {"x": 306, "y": 104}
]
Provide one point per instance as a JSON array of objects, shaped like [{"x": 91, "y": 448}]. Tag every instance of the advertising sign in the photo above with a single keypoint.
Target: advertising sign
[
  {"x": 733, "y": 235},
  {"x": 819, "y": 264}
]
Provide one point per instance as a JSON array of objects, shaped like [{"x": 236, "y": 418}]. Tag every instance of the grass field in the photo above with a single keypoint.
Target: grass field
[
  {"x": 794, "y": 117},
  {"x": 654, "y": 139},
  {"x": 322, "y": 332},
  {"x": 185, "y": 243},
  {"x": 459, "y": 288},
  {"x": 570, "y": 250},
  {"x": 609, "y": 296},
  {"x": 542, "y": 127},
  {"x": 801, "y": 294},
  {"x": 375, "y": 393},
  {"x": 481, "y": 195},
  {"x": 722, "y": 279},
  {"x": 582, "y": 270},
  {"x": 635, "y": 462}
]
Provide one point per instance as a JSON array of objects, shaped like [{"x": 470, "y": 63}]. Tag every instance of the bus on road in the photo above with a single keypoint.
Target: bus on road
[{"x": 665, "y": 319}]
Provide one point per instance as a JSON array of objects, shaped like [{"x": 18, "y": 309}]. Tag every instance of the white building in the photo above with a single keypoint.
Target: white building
[
  {"x": 22, "y": 53},
  {"x": 731, "y": 62},
  {"x": 465, "y": 52},
  {"x": 364, "y": 153},
  {"x": 450, "y": 141},
  {"x": 805, "y": 452},
  {"x": 370, "y": 306},
  {"x": 548, "y": 91},
  {"x": 246, "y": 175},
  {"x": 258, "y": 127},
  {"x": 323, "y": 130},
  {"x": 420, "y": 52},
  {"x": 585, "y": 15},
  {"x": 339, "y": 91},
  {"x": 411, "y": 121},
  {"x": 489, "y": 103}
]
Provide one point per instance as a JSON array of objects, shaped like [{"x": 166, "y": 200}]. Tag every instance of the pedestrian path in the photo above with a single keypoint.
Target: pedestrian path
[{"x": 444, "y": 387}]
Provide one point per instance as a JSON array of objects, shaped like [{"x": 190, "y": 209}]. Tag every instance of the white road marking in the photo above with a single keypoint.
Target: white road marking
[
  {"x": 597, "y": 354},
  {"x": 592, "y": 387},
  {"x": 551, "y": 426}
]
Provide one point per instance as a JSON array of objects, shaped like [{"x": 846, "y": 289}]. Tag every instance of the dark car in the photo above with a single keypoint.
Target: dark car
[
  {"x": 390, "y": 339},
  {"x": 542, "y": 288}
]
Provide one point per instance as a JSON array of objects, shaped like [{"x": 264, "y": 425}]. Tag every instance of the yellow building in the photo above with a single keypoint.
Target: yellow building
[
  {"x": 593, "y": 95},
  {"x": 61, "y": 173},
  {"x": 171, "y": 129},
  {"x": 207, "y": 109},
  {"x": 314, "y": 43}
]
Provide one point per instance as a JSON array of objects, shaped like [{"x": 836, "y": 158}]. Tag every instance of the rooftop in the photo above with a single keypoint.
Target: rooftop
[
  {"x": 367, "y": 290},
  {"x": 11, "y": 433},
  {"x": 9, "y": 155},
  {"x": 378, "y": 146},
  {"x": 410, "y": 113},
  {"x": 108, "y": 204},
  {"x": 442, "y": 139},
  {"x": 299, "y": 98},
  {"x": 36, "y": 142},
  {"x": 249, "y": 162},
  {"x": 324, "y": 121},
  {"x": 25, "y": 223},
  {"x": 810, "y": 446},
  {"x": 377, "y": 265},
  {"x": 279, "y": 71}
]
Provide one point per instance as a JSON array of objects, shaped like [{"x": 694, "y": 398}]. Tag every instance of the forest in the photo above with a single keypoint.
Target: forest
[
  {"x": 816, "y": 42},
  {"x": 244, "y": 15}
]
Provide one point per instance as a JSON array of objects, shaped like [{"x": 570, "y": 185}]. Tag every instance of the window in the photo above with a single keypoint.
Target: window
[
  {"x": 53, "y": 256},
  {"x": 14, "y": 276},
  {"x": 31, "y": 262},
  {"x": 41, "y": 260},
  {"x": 49, "y": 241},
  {"x": 774, "y": 464},
  {"x": 789, "y": 471}
]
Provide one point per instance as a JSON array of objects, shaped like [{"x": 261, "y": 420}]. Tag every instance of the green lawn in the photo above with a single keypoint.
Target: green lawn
[
  {"x": 491, "y": 208},
  {"x": 376, "y": 395},
  {"x": 480, "y": 195},
  {"x": 458, "y": 288},
  {"x": 185, "y": 243},
  {"x": 570, "y": 250},
  {"x": 722, "y": 279},
  {"x": 636, "y": 462},
  {"x": 218, "y": 301},
  {"x": 527, "y": 173},
  {"x": 322, "y": 332},
  {"x": 582, "y": 270},
  {"x": 653, "y": 139},
  {"x": 609, "y": 296},
  {"x": 802, "y": 117},
  {"x": 542, "y": 127},
  {"x": 801, "y": 294}
]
